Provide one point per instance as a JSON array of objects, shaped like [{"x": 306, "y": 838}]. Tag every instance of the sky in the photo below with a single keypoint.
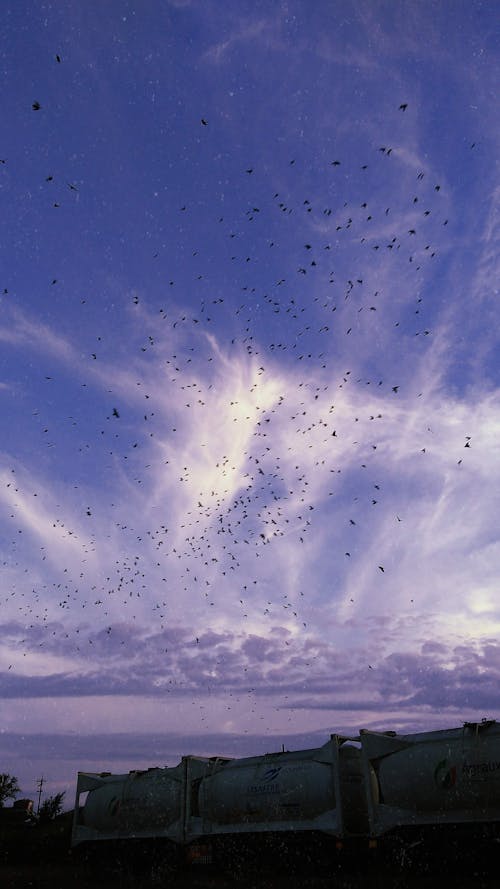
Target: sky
[{"x": 249, "y": 377}]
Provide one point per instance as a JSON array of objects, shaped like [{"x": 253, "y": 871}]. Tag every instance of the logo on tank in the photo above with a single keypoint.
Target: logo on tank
[
  {"x": 445, "y": 775},
  {"x": 266, "y": 782},
  {"x": 271, "y": 774}
]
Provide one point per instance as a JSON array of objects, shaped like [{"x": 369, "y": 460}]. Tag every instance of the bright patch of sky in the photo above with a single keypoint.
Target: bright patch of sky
[{"x": 249, "y": 474}]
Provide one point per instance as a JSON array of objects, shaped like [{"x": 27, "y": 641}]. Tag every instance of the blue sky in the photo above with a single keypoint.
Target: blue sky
[{"x": 249, "y": 378}]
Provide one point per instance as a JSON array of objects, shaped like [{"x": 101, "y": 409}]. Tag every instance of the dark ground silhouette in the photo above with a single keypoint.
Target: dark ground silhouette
[{"x": 40, "y": 858}]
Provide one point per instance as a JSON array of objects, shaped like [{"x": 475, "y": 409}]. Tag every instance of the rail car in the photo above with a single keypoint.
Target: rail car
[{"x": 352, "y": 792}]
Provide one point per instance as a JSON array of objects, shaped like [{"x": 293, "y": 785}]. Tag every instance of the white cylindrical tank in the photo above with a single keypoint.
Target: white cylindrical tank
[
  {"x": 295, "y": 791},
  {"x": 102, "y": 806},
  {"x": 445, "y": 774},
  {"x": 138, "y": 803},
  {"x": 442, "y": 776},
  {"x": 258, "y": 790}
]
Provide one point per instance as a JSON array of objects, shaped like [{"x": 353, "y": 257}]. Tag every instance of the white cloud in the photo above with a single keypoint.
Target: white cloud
[
  {"x": 19, "y": 329},
  {"x": 286, "y": 479},
  {"x": 247, "y": 32},
  {"x": 35, "y": 508}
]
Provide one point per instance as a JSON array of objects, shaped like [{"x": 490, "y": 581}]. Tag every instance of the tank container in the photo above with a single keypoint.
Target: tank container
[{"x": 435, "y": 777}]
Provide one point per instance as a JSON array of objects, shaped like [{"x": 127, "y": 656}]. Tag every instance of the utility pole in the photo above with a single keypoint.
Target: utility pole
[{"x": 40, "y": 785}]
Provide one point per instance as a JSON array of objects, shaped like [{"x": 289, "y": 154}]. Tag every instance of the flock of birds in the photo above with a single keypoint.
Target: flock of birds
[{"x": 286, "y": 301}]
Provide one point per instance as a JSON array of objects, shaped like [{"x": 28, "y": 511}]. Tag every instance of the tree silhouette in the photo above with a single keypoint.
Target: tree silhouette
[
  {"x": 9, "y": 787},
  {"x": 51, "y": 807}
]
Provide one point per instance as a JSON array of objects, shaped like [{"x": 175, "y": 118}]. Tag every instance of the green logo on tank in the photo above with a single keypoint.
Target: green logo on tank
[{"x": 445, "y": 775}]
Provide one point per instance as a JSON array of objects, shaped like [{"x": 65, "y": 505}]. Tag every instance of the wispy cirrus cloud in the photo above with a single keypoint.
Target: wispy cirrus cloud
[
  {"x": 19, "y": 328},
  {"x": 260, "y": 475},
  {"x": 241, "y": 33}
]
